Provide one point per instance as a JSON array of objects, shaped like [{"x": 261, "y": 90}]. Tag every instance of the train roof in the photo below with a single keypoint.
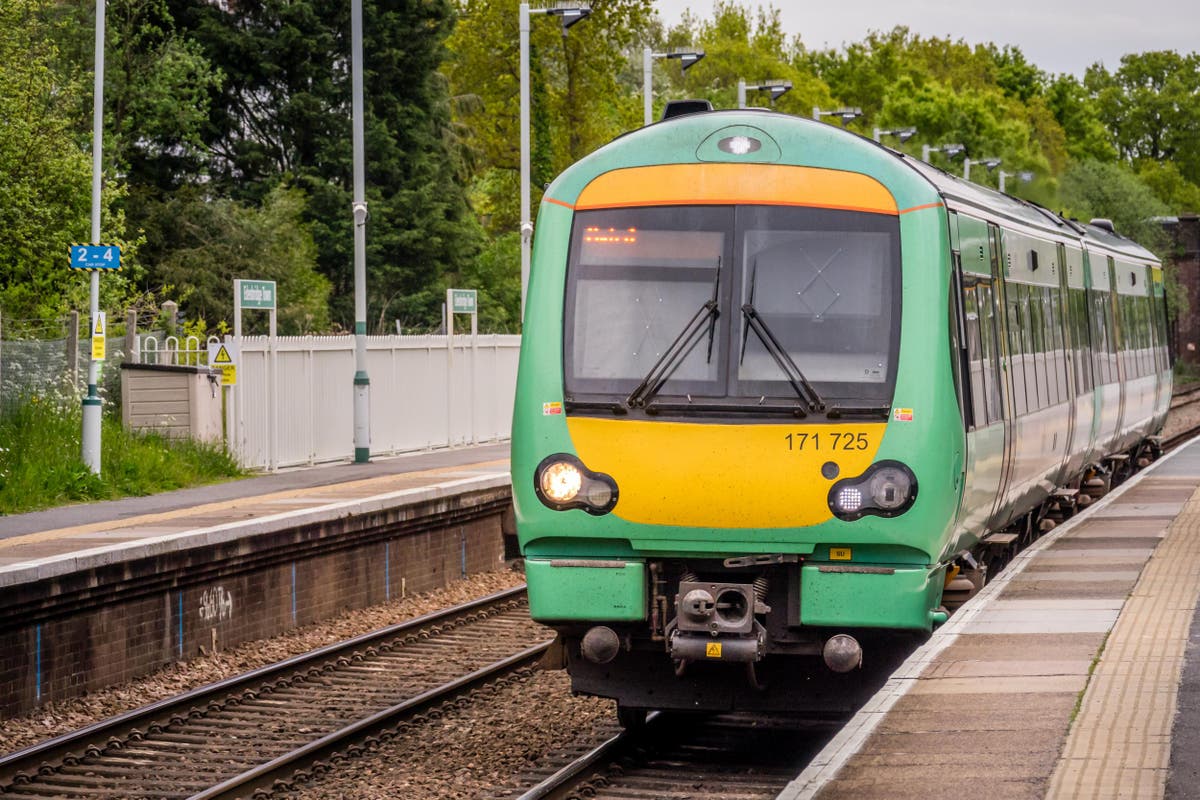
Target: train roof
[
  {"x": 963, "y": 192},
  {"x": 959, "y": 193}
]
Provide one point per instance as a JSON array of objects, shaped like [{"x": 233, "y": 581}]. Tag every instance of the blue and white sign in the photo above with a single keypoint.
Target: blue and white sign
[{"x": 95, "y": 256}]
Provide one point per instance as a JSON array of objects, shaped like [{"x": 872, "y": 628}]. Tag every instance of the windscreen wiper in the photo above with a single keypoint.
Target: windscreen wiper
[
  {"x": 674, "y": 355},
  {"x": 804, "y": 389}
]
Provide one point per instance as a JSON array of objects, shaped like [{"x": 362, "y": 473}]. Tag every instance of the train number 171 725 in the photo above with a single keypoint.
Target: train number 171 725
[{"x": 829, "y": 440}]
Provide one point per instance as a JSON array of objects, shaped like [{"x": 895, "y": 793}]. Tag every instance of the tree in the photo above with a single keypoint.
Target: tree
[
  {"x": 1151, "y": 106},
  {"x": 215, "y": 240},
  {"x": 46, "y": 176},
  {"x": 1091, "y": 189},
  {"x": 282, "y": 116},
  {"x": 1078, "y": 115},
  {"x": 738, "y": 46}
]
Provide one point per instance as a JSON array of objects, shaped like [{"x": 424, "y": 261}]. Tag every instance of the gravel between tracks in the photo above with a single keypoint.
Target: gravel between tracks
[
  {"x": 68, "y": 715},
  {"x": 463, "y": 756}
]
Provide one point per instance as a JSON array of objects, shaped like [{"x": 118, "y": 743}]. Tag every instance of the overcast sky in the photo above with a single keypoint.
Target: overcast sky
[{"x": 1056, "y": 35}]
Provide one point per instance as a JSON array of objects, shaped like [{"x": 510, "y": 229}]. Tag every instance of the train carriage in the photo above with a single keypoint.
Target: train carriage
[{"x": 783, "y": 390}]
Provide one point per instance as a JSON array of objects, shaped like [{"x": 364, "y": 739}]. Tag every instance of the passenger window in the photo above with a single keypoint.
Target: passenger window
[
  {"x": 975, "y": 360},
  {"x": 1016, "y": 353}
]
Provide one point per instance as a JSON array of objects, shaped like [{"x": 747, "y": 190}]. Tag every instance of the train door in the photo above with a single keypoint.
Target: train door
[
  {"x": 999, "y": 515},
  {"x": 980, "y": 371},
  {"x": 1121, "y": 336},
  {"x": 1064, "y": 354}
]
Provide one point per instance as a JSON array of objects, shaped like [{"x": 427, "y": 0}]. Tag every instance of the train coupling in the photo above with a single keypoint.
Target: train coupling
[
  {"x": 686, "y": 647},
  {"x": 715, "y": 622}
]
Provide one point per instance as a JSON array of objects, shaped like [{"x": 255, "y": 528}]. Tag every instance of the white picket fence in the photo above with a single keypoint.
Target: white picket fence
[{"x": 293, "y": 402}]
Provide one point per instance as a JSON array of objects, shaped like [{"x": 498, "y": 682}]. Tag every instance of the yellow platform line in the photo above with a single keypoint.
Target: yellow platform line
[
  {"x": 381, "y": 482},
  {"x": 1120, "y": 744}
]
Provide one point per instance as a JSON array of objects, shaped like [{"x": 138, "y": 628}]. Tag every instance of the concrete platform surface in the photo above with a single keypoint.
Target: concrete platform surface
[
  {"x": 1069, "y": 676},
  {"x": 57, "y": 541}
]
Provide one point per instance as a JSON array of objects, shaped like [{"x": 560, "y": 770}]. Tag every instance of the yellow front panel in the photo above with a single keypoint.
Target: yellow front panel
[
  {"x": 721, "y": 184},
  {"x": 723, "y": 476}
]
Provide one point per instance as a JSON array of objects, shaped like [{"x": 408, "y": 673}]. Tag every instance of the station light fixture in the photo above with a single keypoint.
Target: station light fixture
[
  {"x": 777, "y": 89},
  {"x": 568, "y": 14},
  {"x": 844, "y": 114},
  {"x": 903, "y": 134},
  {"x": 1024, "y": 176},
  {"x": 687, "y": 59},
  {"x": 951, "y": 151},
  {"x": 991, "y": 163}
]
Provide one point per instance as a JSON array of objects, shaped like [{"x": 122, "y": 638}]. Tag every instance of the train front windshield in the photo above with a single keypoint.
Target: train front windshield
[{"x": 719, "y": 305}]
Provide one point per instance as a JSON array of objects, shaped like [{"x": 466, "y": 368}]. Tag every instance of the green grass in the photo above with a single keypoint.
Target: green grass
[{"x": 41, "y": 466}]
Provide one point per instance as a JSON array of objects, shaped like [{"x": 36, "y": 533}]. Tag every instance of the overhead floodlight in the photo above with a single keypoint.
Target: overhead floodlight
[
  {"x": 568, "y": 13},
  {"x": 903, "y": 134},
  {"x": 777, "y": 89},
  {"x": 844, "y": 114},
  {"x": 687, "y": 58}
]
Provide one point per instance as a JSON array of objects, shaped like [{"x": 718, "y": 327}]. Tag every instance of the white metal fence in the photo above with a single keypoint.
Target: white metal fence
[{"x": 293, "y": 402}]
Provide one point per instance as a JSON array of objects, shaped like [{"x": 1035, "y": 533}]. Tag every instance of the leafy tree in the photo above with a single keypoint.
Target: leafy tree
[
  {"x": 1091, "y": 189},
  {"x": 983, "y": 121},
  {"x": 738, "y": 46},
  {"x": 1078, "y": 115},
  {"x": 1151, "y": 106},
  {"x": 217, "y": 240},
  {"x": 46, "y": 177},
  {"x": 282, "y": 115},
  {"x": 1163, "y": 178}
]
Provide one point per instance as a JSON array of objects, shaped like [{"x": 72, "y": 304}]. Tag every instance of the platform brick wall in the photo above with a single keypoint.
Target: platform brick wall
[
  {"x": 85, "y": 631},
  {"x": 1184, "y": 233}
]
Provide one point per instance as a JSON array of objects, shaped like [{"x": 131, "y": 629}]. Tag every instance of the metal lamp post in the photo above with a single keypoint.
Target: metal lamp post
[
  {"x": 1023, "y": 176},
  {"x": 777, "y": 88},
  {"x": 90, "y": 435},
  {"x": 951, "y": 150},
  {"x": 568, "y": 15},
  {"x": 844, "y": 114},
  {"x": 991, "y": 163},
  {"x": 687, "y": 59},
  {"x": 362, "y": 383},
  {"x": 903, "y": 134}
]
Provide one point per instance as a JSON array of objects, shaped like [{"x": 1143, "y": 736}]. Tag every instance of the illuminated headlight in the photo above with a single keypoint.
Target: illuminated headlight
[
  {"x": 887, "y": 489},
  {"x": 562, "y": 482}
]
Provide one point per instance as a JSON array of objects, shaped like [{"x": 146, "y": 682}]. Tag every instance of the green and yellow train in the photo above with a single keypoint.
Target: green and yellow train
[{"x": 782, "y": 389}]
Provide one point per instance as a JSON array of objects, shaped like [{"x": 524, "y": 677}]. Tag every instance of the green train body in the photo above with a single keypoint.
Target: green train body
[{"x": 777, "y": 385}]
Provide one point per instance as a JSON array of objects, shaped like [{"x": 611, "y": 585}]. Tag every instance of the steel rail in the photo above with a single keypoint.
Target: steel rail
[
  {"x": 606, "y": 751},
  {"x": 265, "y": 775},
  {"x": 76, "y": 744}
]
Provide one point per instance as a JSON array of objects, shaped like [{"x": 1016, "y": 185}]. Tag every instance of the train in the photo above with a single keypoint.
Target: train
[{"x": 785, "y": 393}]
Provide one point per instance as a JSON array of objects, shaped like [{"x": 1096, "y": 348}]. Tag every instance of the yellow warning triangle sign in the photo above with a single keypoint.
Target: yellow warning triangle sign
[
  {"x": 98, "y": 327},
  {"x": 222, "y": 356}
]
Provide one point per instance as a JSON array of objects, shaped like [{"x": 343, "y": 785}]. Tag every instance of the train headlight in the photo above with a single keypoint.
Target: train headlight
[
  {"x": 562, "y": 482},
  {"x": 886, "y": 489}
]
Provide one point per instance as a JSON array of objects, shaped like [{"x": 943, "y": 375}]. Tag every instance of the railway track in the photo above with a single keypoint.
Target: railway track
[
  {"x": 248, "y": 734},
  {"x": 722, "y": 757}
]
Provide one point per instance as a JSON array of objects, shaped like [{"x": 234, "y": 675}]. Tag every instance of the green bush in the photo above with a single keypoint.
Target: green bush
[{"x": 41, "y": 465}]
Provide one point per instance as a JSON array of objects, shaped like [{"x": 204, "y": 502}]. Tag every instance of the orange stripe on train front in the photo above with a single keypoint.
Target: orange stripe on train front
[
  {"x": 708, "y": 475},
  {"x": 722, "y": 184}
]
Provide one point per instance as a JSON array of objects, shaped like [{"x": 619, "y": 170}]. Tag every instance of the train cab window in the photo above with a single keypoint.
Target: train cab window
[
  {"x": 824, "y": 286},
  {"x": 670, "y": 309},
  {"x": 638, "y": 279}
]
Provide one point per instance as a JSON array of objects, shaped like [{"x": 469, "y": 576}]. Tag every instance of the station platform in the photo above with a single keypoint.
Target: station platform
[
  {"x": 1069, "y": 676},
  {"x": 94, "y": 594}
]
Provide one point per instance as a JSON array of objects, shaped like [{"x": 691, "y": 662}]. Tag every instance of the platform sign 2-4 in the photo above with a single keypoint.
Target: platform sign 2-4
[{"x": 95, "y": 256}]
